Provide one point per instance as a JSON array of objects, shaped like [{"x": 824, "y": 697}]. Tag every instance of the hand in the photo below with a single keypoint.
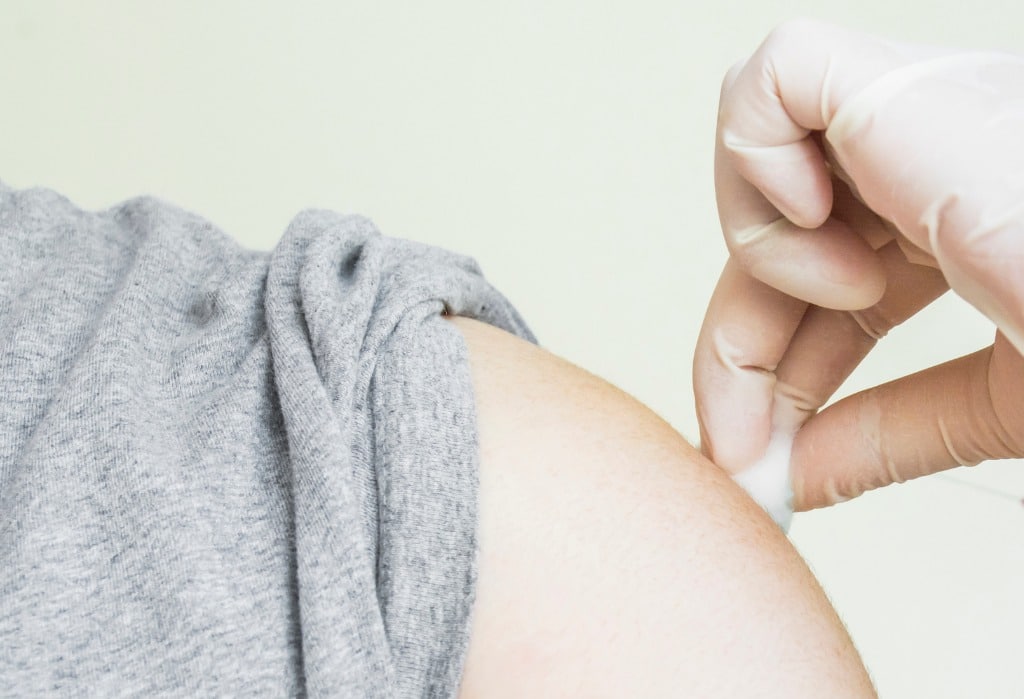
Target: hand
[{"x": 857, "y": 180}]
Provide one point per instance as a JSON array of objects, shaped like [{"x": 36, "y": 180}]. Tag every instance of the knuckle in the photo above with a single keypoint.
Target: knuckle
[
  {"x": 969, "y": 228},
  {"x": 792, "y": 30},
  {"x": 750, "y": 245},
  {"x": 730, "y": 78},
  {"x": 736, "y": 354}
]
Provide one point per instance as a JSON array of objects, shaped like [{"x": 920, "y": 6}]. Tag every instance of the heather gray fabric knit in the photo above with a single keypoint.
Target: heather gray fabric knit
[{"x": 230, "y": 472}]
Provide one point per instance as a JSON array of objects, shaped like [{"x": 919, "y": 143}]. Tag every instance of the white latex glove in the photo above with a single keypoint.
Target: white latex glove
[{"x": 857, "y": 179}]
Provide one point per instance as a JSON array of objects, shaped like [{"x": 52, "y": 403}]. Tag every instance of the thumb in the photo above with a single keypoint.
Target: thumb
[{"x": 962, "y": 412}]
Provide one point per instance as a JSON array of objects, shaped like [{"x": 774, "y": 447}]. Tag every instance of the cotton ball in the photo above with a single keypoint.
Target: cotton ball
[{"x": 767, "y": 481}]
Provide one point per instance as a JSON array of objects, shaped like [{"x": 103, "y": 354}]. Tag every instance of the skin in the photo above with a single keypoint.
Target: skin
[{"x": 616, "y": 561}]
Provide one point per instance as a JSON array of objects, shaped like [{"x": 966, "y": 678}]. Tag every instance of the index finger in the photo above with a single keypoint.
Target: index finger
[{"x": 745, "y": 334}]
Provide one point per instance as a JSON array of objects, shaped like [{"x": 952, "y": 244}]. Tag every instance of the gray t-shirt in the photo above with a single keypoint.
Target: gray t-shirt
[{"x": 232, "y": 472}]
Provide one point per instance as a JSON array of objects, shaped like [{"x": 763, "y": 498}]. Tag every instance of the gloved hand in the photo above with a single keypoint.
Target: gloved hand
[{"x": 857, "y": 179}]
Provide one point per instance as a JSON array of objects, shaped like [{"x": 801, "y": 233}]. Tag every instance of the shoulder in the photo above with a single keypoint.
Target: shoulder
[{"x": 607, "y": 541}]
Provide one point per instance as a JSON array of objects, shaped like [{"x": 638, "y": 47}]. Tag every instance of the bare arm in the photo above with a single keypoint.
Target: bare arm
[{"x": 616, "y": 561}]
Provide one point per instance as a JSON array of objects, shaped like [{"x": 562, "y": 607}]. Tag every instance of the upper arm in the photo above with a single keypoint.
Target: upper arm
[{"x": 616, "y": 561}]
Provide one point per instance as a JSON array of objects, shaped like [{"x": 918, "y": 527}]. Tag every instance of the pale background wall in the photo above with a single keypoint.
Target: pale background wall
[{"x": 565, "y": 145}]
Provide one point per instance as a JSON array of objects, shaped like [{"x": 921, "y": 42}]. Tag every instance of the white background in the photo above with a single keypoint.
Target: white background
[{"x": 565, "y": 145}]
